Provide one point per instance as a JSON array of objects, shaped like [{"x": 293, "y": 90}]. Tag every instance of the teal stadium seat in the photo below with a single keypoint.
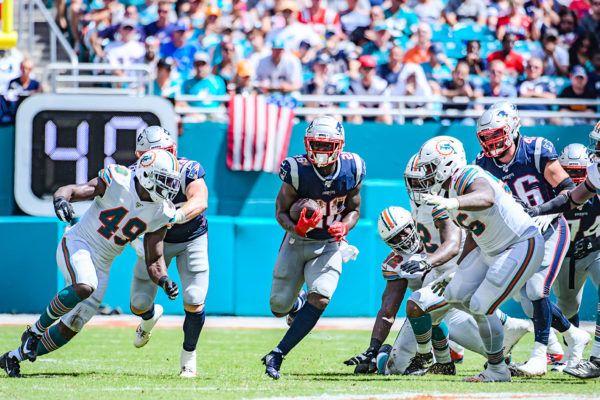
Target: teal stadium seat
[
  {"x": 454, "y": 49},
  {"x": 465, "y": 32},
  {"x": 441, "y": 33}
]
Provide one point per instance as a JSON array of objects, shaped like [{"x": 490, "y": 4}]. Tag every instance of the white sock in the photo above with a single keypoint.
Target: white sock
[
  {"x": 17, "y": 354},
  {"x": 539, "y": 350}
]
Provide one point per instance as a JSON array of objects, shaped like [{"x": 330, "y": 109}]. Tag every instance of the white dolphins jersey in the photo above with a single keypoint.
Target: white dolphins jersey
[
  {"x": 593, "y": 175},
  {"x": 497, "y": 227},
  {"x": 119, "y": 217},
  {"x": 391, "y": 269}
]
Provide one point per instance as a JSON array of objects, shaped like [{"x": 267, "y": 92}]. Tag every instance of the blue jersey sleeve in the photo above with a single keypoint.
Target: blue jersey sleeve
[
  {"x": 546, "y": 152},
  {"x": 287, "y": 171},
  {"x": 193, "y": 171}
]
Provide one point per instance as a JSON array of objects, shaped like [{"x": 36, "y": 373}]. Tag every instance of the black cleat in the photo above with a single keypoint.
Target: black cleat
[
  {"x": 11, "y": 365},
  {"x": 514, "y": 370},
  {"x": 586, "y": 369},
  {"x": 418, "y": 364},
  {"x": 29, "y": 344},
  {"x": 442, "y": 369},
  {"x": 272, "y": 362}
]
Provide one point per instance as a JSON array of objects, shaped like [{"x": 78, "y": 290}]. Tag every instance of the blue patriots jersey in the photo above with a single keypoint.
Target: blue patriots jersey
[
  {"x": 330, "y": 192},
  {"x": 525, "y": 173},
  {"x": 584, "y": 221}
]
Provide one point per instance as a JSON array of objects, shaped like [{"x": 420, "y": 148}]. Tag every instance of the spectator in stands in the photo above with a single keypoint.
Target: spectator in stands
[
  {"x": 293, "y": 32},
  {"x": 594, "y": 76},
  {"x": 320, "y": 18},
  {"x": 179, "y": 50},
  {"x": 363, "y": 34},
  {"x": 342, "y": 53},
  {"x": 412, "y": 82},
  {"x": 465, "y": 11},
  {"x": 126, "y": 51},
  {"x": 353, "y": 17},
  {"x": 321, "y": 83},
  {"x": 497, "y": 9},
  {"x": 203, "y": 83},
  {"x": 555, "y": 58},
  {"x": 280, "y": 71},
  {"x": 208, "y": 36},
  {"x": 428, "y": 11},
  {"x": 226, "y": 67},
  {"x": 518, "y": 23},
  {"x": 577, "y": 90},
  {"x": 437, "y": 69},
  {"x": 582, "y": 50},
  {"x": 161, "y": 28},
  {"x": 152, "y": 50},
  {"x": 460, "y": 85},
  {"x": 369, "y": 84},
  {"x": 401, "y": 18},
  {"x": 476, "y": 64},
  {"x": 512, "y": 59},
  {"x": 567, "y": 28},
  {"x": 380, "y": 47},
  {"x": 543, "y": 12},
  {"x": 163, "y": 85},
  {"x": 535, "y": 86},
  {"x": 241, "y": 19},
  {"x": 391, "y": 70},
  {"x": 24, "y": 85},
  {"x": 306, "y": 55},
  {"x": 581, "y": 8},
  {"x": 496, "y": 87},
  {"x": 257, "y": 51},
  {"x": 243, "y": 83},
  {"x": 419, "y": 54}
]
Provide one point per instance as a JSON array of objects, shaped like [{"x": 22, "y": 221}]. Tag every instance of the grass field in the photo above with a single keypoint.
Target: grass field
[{"x": 102, "y": 363}]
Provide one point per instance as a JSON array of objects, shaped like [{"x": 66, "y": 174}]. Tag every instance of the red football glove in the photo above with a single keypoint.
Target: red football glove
[
  {"x": 338, "y": 230},
  {"x": 304, "y": 224}
]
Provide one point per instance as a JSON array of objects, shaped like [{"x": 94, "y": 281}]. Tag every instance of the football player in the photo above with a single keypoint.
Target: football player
[
  {"x": 564, "y": 203},
  {"x": 310, "y": 251},
  {"x": 503, "y": 248},
  {"x": 187, "y": 242},
  {"x": 124, "y": 207},
  {"x": 530, "y": 168}
]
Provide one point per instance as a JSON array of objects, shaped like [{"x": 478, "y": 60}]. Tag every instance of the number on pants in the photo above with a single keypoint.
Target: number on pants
[
  {"x": 110, "y": 224},
  {"x": 426, "y": 238},
  {"x": 525, "y": 191},
  {"x": 330, "y": 210},
  {"x": 477, "y": 227}
]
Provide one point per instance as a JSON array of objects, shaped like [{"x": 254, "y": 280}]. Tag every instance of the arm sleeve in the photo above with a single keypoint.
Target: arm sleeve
[
  {"x": 559, "y": 204},
  {"x": 288, "y": 172}
]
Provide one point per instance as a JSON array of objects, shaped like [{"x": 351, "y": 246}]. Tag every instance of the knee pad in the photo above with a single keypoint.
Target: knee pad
[
  {"x": 141, "y": 301},
  {"x": 280, "y": 304},
  {"x": 476, "y": 307},
  {"x": 534, "y": 288},
  {"x": 451, "y": 294},
  {"x": 194, "y": 295},
  {"x": 79, "y": 316}
]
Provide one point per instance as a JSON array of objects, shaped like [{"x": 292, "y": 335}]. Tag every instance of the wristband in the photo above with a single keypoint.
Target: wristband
[
  {"x": 162, "y": 280},
  {"x": 180, "y": 217}
]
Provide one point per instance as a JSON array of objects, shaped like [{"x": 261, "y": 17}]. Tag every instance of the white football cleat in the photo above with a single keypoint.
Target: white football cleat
[
  {"x": 489, "y": 375},
  {"x": 144, "y": 329},
  {"x": 555, "y": 350},
  {"x": 535, "y": 366},
  {"x": 188, "y": 364},
  {"x": 514, "y": 330},
  {"x": 576, "y": 340}
]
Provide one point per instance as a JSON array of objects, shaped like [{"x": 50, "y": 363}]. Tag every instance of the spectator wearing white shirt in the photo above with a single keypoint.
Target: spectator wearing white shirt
[
  {"x": 465, "y": 11},
  {"x": 280, "y": 71},
  {"x": 554, "y": 57},
  {"x": 293, "y": 32},
  {"x": 369, "y": 84},
  {"x": 127, "y": 51}
]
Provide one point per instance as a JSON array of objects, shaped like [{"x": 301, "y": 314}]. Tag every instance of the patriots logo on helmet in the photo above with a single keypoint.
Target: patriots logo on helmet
[
  {"x": 503, "y": 113},
  {"x": 338, "y": 127}
]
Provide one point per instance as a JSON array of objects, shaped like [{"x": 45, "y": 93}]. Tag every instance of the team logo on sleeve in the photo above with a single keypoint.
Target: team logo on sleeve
[
  {"x": 192, "y": 172},
  {"x": 444, "y": 147},
  {"x": 282, "y": 173}
]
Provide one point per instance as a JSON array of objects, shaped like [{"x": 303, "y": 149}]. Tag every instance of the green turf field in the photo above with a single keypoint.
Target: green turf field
[{"x": 101, "y": 363}]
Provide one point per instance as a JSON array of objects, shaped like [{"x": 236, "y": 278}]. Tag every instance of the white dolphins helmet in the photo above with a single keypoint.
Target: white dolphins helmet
[
  {"x": 412, "y": 180},
  {"x": 397, "y": 229},
  {"x": 595, "y": 139},
  {"x": 154, "y": 137},
  {"x": 158, "y": 172},
  {"x": 498, "y": 128},
  {"x": 575, "y": 159},
  {"x": 324, "y": 140},
  {"x": 438, "y": 159}
]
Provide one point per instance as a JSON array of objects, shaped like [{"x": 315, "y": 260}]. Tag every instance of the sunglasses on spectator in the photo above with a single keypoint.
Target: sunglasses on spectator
[
  {"x": 127, "y": 28},
  {"x": 163, "y": 11},
  {"x": 533, "y": 67},
  {"x": 199, "y": 63}
]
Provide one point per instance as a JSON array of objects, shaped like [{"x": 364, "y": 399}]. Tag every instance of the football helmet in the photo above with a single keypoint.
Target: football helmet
[
  {"x": 324, "y": 140},
  {"x": 438, "y": 159},
  {"x": 412, "y": 176},
  {"x": 498, "y": 128},
  {"x": 158, "y": 172},
  {"x": 397, "y": 229},
  {"x": 595, "y": 139},
  {"x": 575, "y": 159},
  {"x": 154, "y": 137}
]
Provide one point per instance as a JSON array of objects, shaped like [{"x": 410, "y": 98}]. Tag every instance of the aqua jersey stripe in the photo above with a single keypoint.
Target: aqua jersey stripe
[{"x": 466, "y": 181}]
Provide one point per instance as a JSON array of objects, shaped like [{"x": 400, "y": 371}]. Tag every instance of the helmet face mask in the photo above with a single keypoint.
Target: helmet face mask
[
  {"x": 595, "y": 140},
  {"x": 495, "y": 141},
  {"x": 155, "y": 137},
  {"x": 438, "y": 159},
  {"x": 324, "y": 141},
  {"x": 158, "y": 173},
  {"x": 575, "y": 158},
  {"x": 397, "y": 229},
  {"x": 412, "y": 181}
]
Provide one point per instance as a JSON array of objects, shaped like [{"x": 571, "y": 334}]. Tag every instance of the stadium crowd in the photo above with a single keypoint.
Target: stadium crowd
[{"x": 469, "y": 48}]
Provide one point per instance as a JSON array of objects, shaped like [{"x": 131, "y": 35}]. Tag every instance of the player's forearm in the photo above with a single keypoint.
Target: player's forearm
[
  {"x": 156, "y": 269},
  {"x": 475, "y": 201},
  {"x": 192, "y": 208},
  {"x": 446, "y": 252},
  {"x": 73, "y": 193},
  {"x": 351, "y": 219},
  {"x": 286, "y": 222},
  {"x": 383, "y": 325}
]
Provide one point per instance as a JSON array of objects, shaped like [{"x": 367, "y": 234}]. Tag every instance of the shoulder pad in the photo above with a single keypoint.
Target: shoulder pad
[
  {"x": 464, "y": 178},
  {"x": 115, "y": 172}
]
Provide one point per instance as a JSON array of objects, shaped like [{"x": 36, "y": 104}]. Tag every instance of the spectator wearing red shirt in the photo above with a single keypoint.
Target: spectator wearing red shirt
[
  {"x": 420, "y": 53},
  {"x": 518, "y": 23},
  {"x": 512, "y": 59},
  {"x": 320, "y": 18},
  {"x": 580, "y": 7}
]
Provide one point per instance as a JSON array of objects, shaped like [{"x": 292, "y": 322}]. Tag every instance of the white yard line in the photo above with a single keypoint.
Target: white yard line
[{"x": 442, "y": 396}]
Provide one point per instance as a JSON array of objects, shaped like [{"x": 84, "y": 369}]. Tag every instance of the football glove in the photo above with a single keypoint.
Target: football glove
[
  {"x": 171, "y": 289},
  {"x": 585, "y": 246},
  {"x": 363, "y": 361},
  {"x": 544, "y": 221},
  {"x": 533, "y": 211},
  {"x": 439, "y": 285},
  {"x": 415, "y": 266},
  {"x": 63, "y": 209},
  {"x": 304, "y": 224},
  {"x": 338, "y": 230},
  {"x": 441, "y": 202}
]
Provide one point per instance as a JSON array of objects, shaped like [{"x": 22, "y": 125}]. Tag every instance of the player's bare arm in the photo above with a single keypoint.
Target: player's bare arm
[
  {"x": 468, "y": 247},
  {"x": 558, "y": 177},
  {"x": 81, "y": 192},
  {"x": 197, "y": 199},
  {"x": 352, "y": 207},
  {"x": 285, "y": 198},
  {"x": 155, "y": 262},
  {"x": 390, "y": 304},
  {"x": 449, "y": 248},
  {"x": 479, "y": 195},
  {"x": 565, "y": 201}
]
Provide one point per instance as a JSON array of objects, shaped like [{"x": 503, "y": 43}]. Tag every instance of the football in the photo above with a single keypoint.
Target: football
[{"x": 296, "y": 208}]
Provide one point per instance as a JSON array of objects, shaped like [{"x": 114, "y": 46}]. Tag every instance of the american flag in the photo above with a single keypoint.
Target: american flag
[{"x": 259, "y": 132}]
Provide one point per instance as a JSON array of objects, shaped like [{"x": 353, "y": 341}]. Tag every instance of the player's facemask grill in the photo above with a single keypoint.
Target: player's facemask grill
[
  {"x": 318, "y": 155},
  {"x": 171, "y": 149},
  {"x": 578, "y": 173},
  {"x": 594, "y": 147},
  {"x": 406, "y": 240},
  {"x": 494, "y": 141},
  {"x": 427, "y": 172},
  {"x": 166, "y": 186}
]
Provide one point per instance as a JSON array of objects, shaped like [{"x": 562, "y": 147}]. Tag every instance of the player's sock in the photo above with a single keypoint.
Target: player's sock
[
  {"x": 305, "y": 320},
  {"x": 62, "y": 303},
  {"x": 147, "y": 316},
  {"x": 439, "y": 339},
  {"x": 502, "y": 316},
  {"x": 17, "y": 353},
  {"x": 559, "y": 321},
  {"x": 50, "y": 341},
  {"x": 492, "y": 336},
  {"x": 192, "y": 326},
  {"x": 541, "y": 320},
  {"x": 422, "y": 328},
  {"x": 574, "y": 320},
  {"x": 596, "y": 346}
]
